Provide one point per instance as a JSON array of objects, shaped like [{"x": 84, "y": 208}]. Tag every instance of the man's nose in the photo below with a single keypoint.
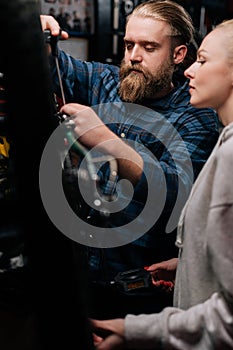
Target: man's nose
[{"x": 136, "y": 54}]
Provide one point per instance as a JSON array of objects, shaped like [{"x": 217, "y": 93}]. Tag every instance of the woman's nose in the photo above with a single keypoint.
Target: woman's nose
[{"x": 191, "y": 71}]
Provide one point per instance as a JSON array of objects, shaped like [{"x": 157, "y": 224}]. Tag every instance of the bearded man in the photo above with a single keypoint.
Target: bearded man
[{"x": 138, "y": 114}]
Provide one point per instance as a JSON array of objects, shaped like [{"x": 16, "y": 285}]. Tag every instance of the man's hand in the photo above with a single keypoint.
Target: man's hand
[
  {"x": 92, "y": 132},
  {"x": 50, "y": 23},
  {"x": 89, "y": 128}
]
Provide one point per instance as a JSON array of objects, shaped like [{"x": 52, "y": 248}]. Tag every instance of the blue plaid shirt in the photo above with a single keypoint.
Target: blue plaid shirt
[{"x": 166, "y": 133}]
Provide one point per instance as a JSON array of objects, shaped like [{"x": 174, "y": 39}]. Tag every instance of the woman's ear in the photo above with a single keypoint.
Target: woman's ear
[{"x": 179, "y": 54}]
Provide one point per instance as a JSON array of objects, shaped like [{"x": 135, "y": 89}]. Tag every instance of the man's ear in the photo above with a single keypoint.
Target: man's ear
[{"x": 179, "y": 54}]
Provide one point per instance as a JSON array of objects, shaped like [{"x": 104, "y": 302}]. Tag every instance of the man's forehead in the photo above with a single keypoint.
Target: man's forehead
[
  {"x": 147, "y": 29},
  {"x": 138, "y": 25}
]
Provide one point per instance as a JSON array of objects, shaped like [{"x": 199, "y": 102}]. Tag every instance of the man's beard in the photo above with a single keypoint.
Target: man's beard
[{"x": 135, "y": 87}]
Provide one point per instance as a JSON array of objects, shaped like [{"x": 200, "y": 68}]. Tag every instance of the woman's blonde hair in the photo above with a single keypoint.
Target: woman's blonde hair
[{"x": 227, "y": 26}]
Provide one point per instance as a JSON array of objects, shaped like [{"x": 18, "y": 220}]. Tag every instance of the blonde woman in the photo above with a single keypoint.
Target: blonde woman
[{"x": 202, "y": 316}]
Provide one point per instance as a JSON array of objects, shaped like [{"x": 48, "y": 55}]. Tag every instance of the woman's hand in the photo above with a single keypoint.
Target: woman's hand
[
  {"x": 163, "y": 274},
  {"x": 108, "y": 334}
]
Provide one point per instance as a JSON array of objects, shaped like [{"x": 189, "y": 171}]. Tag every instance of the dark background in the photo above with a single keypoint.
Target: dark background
[{"x": 101, "y": 47}]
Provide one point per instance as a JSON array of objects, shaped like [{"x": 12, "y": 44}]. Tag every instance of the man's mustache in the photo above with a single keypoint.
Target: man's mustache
[{"x": 133, "y": 68}]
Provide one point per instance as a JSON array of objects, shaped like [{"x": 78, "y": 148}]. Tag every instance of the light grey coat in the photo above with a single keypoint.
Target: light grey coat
[{"x": 202, "y": 316}]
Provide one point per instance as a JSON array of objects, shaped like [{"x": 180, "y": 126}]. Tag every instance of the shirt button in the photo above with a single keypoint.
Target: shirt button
[{"x": 122, "y": 134}]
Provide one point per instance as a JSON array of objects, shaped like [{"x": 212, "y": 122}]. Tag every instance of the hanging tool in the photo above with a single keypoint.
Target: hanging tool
[
  {"x": 69, "y": 124},
  {"x": 76, "y": 146}
]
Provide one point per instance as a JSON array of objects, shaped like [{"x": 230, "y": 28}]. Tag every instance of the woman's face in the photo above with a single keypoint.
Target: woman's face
[{"x": 211, "y": 76}]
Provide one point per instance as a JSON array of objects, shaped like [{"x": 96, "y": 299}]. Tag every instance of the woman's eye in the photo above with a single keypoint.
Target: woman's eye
[{"x": 201, "y": 61}]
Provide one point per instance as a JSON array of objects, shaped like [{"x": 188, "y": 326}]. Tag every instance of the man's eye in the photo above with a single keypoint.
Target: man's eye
[
  {"x": 149, "y": 49},
  {"x": 128, "y": 46}
]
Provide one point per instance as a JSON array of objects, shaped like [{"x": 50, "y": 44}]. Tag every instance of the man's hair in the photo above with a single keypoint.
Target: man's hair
[{"x": 180, "y": 22}]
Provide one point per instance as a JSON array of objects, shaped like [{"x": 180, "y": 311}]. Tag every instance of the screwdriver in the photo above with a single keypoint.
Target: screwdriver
[{"x": 53, "y": 40}]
